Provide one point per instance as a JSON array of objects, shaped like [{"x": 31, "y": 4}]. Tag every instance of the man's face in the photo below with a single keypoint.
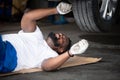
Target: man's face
[{"x": 59, "y": 39}]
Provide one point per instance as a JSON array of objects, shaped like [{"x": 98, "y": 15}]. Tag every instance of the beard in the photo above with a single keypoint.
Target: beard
[{"x": 54, "y": 39}]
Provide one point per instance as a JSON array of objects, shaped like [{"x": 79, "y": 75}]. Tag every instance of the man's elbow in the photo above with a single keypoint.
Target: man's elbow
[
  {"x": 48, "y": 68},
  {"x": 25, "y": 19}
]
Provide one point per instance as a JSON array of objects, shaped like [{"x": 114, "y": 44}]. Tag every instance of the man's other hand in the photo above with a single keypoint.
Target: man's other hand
[
  {"x": 64, "y": 8},
  {"x": 79, "y": 47}
]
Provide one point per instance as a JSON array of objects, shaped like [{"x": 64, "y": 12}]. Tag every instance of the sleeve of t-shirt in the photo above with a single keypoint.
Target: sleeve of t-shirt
[
  {"x": 49, "y": 52},
  {"x": 37, "y": 33}
]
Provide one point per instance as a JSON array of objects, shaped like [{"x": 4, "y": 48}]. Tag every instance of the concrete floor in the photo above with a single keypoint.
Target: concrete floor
[{"x": 101, "y": 45}]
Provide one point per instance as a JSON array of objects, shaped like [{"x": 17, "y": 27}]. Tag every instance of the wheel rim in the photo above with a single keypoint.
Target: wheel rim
[{"x": 107, "y": 8}]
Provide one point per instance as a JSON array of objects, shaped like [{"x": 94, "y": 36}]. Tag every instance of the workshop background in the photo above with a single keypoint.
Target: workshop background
[
  {"x": 12, "y": 10},
  {"x": 101, "y": 45}
]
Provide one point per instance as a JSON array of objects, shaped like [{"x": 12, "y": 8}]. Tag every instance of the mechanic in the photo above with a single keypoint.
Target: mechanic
[{"x": 28, "y": 48}]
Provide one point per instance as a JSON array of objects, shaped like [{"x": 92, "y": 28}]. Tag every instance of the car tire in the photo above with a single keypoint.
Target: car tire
[{"x": 89, "y": 15}]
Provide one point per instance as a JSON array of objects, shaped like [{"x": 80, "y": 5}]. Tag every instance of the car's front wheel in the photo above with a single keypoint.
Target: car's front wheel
[{"x": 95, "y": 15}]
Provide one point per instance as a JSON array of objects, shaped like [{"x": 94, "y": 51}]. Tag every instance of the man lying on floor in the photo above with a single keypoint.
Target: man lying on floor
[{"x": 28, "y": 48}]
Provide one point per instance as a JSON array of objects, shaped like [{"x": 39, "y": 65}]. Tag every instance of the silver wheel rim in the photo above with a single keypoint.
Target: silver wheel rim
[{"x": 107, "y": 8}]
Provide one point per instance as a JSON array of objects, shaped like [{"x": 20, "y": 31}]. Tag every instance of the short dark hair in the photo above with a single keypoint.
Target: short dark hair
[{"x": 67, "y": 47}]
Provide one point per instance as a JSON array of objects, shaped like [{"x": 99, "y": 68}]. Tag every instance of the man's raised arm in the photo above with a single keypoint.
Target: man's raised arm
[{"x": 28, "y": 22}]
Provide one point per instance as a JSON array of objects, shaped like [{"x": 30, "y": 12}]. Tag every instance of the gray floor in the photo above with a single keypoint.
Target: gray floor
[{"x": 101, "y": 45}]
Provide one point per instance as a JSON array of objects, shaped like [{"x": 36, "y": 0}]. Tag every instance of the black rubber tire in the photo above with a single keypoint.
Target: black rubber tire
[{"x": 87, "y": 16}]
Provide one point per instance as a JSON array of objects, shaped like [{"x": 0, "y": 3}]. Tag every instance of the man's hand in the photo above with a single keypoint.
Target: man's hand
[
  {"x": 79, "y": 47},
  {"x": 64, "y": 8}
]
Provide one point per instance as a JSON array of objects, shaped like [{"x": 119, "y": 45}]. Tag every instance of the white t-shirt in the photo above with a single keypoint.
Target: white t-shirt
[{"x": 31, "y": 48}]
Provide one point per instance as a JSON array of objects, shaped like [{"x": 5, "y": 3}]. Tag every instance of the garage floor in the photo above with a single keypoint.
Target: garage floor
[{"x": 103, "y": 46}]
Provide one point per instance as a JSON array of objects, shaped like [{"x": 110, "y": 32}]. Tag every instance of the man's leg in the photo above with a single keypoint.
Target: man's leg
[
  {"x": 0, "y": 38},
  {"x": 8, "y": 57},
  {"x": 2, "y": 49},
  {"x": 2, "y": 53}
]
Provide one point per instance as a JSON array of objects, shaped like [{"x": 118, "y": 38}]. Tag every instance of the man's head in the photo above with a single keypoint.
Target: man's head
[{"x": 58, "y": 42}]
